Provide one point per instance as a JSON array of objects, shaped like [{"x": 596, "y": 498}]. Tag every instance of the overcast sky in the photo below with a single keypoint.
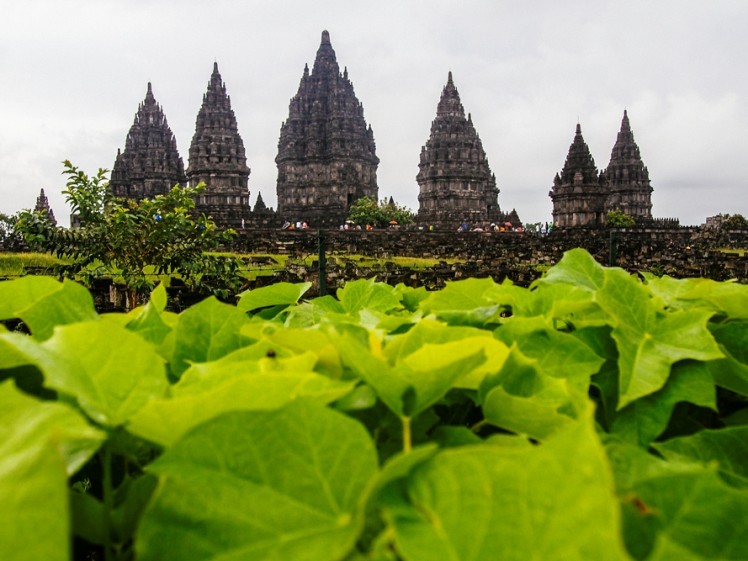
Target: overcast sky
[{"x": 72, "y": 73}]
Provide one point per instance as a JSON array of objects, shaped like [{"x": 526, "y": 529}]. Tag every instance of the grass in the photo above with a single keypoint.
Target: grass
[
  {"x": 254, "y": 265},
  {"x": 736, "y": 251},
  {"x": 18, "y": 264}
]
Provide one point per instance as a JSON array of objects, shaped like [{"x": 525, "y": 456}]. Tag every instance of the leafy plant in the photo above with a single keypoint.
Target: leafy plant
[
  {"x": 379, "y": 214},
  {"x": 595, "y": 415},
  {"x": 135, "y": 240},
  {"x": 619, "y": 219}
]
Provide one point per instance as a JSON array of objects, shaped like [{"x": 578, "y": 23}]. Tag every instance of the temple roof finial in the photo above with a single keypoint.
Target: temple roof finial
[{"x": 325, "y": 37}]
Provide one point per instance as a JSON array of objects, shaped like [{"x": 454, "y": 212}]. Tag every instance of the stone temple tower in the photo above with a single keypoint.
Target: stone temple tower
[
  {"x": 150, "y": 164},
  {"x": 627, "y": 179},
  {"x": 217, "y": 158},
  {"x": 326, "y": 152},
  {"x": 456, "y": 184},
  {"x": 578, "y": 192}
]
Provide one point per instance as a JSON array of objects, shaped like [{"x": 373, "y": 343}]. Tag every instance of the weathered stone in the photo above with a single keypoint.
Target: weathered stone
[
  {"x": 455, "y": 181},
  {"x": 150, "y": 164},
  {"x": 626, "y": 177},
  {"x": 582, "y": 197},
  {"x": 578, "y": 195},
  {"x": 42, "y": 205},
  {"x": 326, "y": 153},
  {"x": 218, "y": 159}
]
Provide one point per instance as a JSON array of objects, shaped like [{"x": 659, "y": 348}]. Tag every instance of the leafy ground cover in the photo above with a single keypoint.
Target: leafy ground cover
[{"x": 594, "y": 415}]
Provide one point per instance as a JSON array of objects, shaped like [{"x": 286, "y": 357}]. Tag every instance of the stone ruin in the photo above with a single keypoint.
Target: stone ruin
[
  {"x": 327, "y": 160},
  {"x": 583, "y": 197}
]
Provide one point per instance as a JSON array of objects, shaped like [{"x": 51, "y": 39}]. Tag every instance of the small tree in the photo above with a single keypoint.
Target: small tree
[
  {"x": 10, "y": 238},
  {"x": 367, "y": 211},
  {"x": 619, "y": 219},
  {"x": 734, "y": 222},
  {"x": 137, "y": 240}
]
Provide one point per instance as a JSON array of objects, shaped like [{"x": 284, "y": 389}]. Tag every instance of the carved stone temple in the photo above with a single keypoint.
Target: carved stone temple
[
  {"x": 42, "y": 206},
  {"x": 150, "y": 164},
  {"x": 455, "y": 182},
  {"x": 326, "y": 153},
  {"x": 628, "y": 187},
  {"x": 582, "y": 197},
  {"x": 217, "y": 158}
]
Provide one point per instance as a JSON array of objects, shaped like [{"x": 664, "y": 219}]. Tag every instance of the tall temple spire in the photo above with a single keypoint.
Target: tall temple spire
[
  {"x": 628, "y": 185},
  {"x": 577, "y": 193},
  {"x": 218, "y": 159},
  {"x": 326, "y": 152},
  {"x": 42, "y": 205},
  {"x": 455, "y": 181},
  {"x": 150, "y": 164}
]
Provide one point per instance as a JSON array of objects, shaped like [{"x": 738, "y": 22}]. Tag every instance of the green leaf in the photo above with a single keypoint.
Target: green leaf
[
  {"x": 726, "y": 448},
  {"x": 282, "y": 484},
  {"x": 726, "y": 298},
  {"x": 644, "y": 419},
  {"x": 576, "y": 268},
  {"x": 43, "y": 303},
  {"x": 206, "y": 331},
  {"x": 649, "y": 339},
  {"x": 553, "y": 501},
  {"x": 148, "y": 321},
  {"x": 367, "y": 293},
  {"x": 524, "y": 400},
  {"x": 41, "y": 444},
  {"x": 281, "y": 293},
  {"x": 211, "y": 389},
  {"x": 558, "y": 354},
  {"x": 731, "y": 372},
  {"x": 678, "y": 510},
  {"x": 420, "y": 379},
  {"x": 110, "y": 371}
]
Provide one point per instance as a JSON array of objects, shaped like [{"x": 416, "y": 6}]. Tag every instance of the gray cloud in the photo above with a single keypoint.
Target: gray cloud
[{"x": 73, "y": 73}]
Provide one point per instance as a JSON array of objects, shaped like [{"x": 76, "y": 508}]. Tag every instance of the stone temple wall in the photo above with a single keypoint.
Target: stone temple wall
[{"x": 521, "y": 257}]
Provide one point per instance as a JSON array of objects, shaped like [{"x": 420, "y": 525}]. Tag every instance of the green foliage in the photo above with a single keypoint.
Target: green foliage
[
  {"x": 595, "y": 415},
  {"x": 733, "y": 222},
  {"x": 367, "y": 211},
  {"x": 10, "y": 238},
  {"x": 135, "y": 240},
  {"x": 619, "y": 219}
]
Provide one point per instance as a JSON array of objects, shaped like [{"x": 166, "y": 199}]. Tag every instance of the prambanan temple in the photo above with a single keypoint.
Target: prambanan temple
[
  {"x": 583, "y": 197},
  {"x": 327, "y": 160}
]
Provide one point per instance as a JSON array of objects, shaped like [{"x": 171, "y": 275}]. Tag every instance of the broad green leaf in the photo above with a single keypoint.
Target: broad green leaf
[
  {"x": 470, "y": 302},
  {"x": 727, "y": 298},
  {"x": 420, "y": 379},
  {"x": 111, "y": 372},
  {"x": 468, "y": 294},
  {"x": 731, "y": 372},
  {"x": 412, "y": 297},
  {"x": 280, "y": 293},
  {"x": 576, "y": 268},
  {"x": 41, "y": 444},
  {"x": 429, "y": 331},
  {"x": 727, "y": 448},
  {"x": 552, "y": 501},
  {"x": 367, "y": 293},
  {"x": 148, "y": 321},
  {"x": 206, "y": 331},
  {"x": 561, "y": 355},
  {"x": 649, "y": 339},
  {"x": 282, "y": 484},
  {"x": 523, "y": 399},
  {"x": 644, "y": 419},
  {"x": 211, "y": 389},
  {"x": 42, "y": 303},
  {"x": 678, "y": 510}
]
